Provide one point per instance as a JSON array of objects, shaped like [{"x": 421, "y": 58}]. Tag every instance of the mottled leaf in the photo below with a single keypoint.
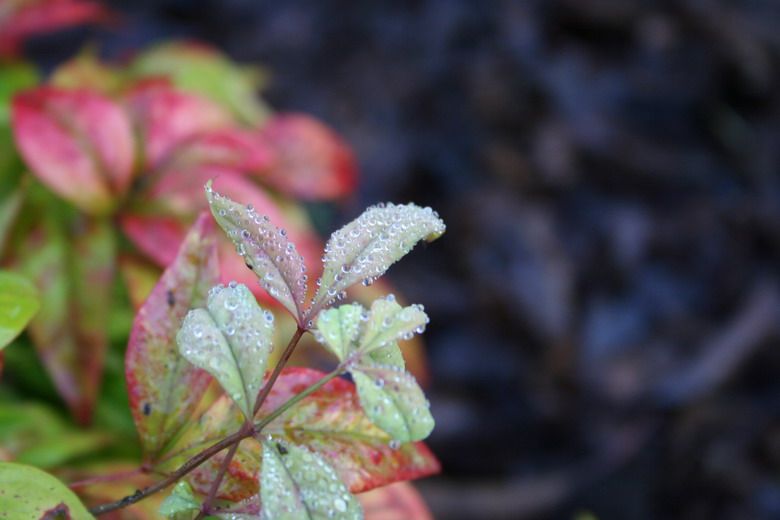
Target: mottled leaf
[
  {"x": 72, "y": 265},
  {"x": 367, "y": 246},
  {"x": 199, "y": 69},
  {"x": 332, "y": 423},
  {"x": 398, "y": 501},
  {"x": 265, "y": 249},
  {"x": 79, "y": 143},
  {"x": 30, "y": 493},
  {"x": 311, "y": 160},
  {"x": 181, "y": 500},
  {"x": 393, "y": 400},
  {"x": 18, "y": 304},
  {"x": 166, "y": 118},
  {"x": 297, "y": 484},
  {"x": 231, "y": 339},
  {"x": 164, "y": 388}
]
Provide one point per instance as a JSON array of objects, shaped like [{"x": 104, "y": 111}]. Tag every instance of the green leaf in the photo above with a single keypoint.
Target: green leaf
[
  {"x": 297, "y": 484},
  {"x": 181, "y": 500},
  {"x": 354, "y": 335},
  {"x": 366, "y": 247},
  {"x": 202, "y": 70},
  {"x": 18, "y": 304},
  {"x": 339, "y": 329},
  {"x": 29, "y": 493},
  {"x": 393, "y": 400},
  {"x": 265, "y": 249},
  {"x": 231, "y": 340}
]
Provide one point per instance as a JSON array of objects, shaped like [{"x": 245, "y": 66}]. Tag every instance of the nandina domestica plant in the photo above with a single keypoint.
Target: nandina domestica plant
[{"x": 295, "y": 443}]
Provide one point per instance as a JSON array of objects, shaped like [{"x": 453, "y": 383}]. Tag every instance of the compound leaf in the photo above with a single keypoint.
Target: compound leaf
[
  {"x": 231, "y": 339},
  {"x": 339, "y": 328},
  {"x": 366, "y": 247},
  {"x": 297, "y": 484},
  {"x": 266, "y": 251},
  {"x": 331, "y": 423},
  {"x": 393, "y": 400},
  {"x": 163, "y": 387}
]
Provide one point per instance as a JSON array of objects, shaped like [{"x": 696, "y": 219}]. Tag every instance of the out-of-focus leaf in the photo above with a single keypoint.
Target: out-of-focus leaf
[
  {"x": 16, "y": 77},
  {"x": 28, "y": 492},
  {"x": 72, "y": 269},
  {"x": 140, "y": 277},
  {"x": 18, "y": 304},
  {"x": 297, "y": 484},
  {"x": 20, "y": 19},
  {"x": 266, "y": 251},
  {"x": 86, "y": 71},
  {"x": 78, "y": 143},
  {"x": 35, "y": 435},
  {"x": 85, "y": 481},
  {"x": 159, "y": 238},
  {"x": 230, "y": 339},
  {"x": 392, "y": 399},
  {"x": 398, "y": 501},
  {"x": 332, "y": 423},
  {"x": 181, "y": 500},
  {"x": 196, "y": 68},
  {"x": 367, "y": 246},
  {"x": 167, "y": 118},
  {"x": 312, "y": 162},
  {"x": 163, "y": 387}
]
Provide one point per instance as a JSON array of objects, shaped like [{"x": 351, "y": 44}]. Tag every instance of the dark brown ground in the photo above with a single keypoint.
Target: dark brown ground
[{"x": 605, "y": 303}]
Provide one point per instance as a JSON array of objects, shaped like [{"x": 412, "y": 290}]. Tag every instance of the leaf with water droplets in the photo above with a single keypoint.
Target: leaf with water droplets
[
  {"x": 163, "y": 387},
  {"x": 349, "y": 331},
  {"x": 393, "y": 400},
  {"x": 231, "y": 339},
  {"x": 332, "y": 423},
  {"x": 266, "y": 249},
  {"x": 297, "y": 484},
  {"x": 366, "y": 247},
  {"x": 180, "y": 502},
  {"x": 339, "y": 329},
  {"x": 79, "y": 143}
]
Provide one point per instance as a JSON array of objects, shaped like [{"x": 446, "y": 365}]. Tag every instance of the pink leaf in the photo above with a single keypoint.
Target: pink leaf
[
  {"x": 399, "y": 501},
  {"x": 167, "y": 118},
  {"x": 28, "y": 18},
  {"x": 164, "y": 388},
  {"x": 312, "y": 162},
  {"x": 78, "y": 143}
]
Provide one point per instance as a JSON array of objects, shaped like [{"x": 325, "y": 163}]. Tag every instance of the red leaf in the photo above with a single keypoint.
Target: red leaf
[
  {"x": 78, "y": 143},
  {"x": 312, "y": 162},
  {"x": 399, "y": 501},
  {"x": 22, "y": 19},
  {"x": 167, "y": 118},
  {"x": 164, "y": 388},
  {"x": 73, "y": 271},
  {"x": 233, "y": 150},
  {"x": 158, "y": 237},
  {"x": 332, "y": 423}
]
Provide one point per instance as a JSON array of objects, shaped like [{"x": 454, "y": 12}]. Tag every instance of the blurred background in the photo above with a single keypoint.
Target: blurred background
[{"x": 604, "y": 306}]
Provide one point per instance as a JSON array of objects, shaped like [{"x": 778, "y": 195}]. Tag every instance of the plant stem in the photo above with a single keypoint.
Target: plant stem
[
  {"x": 171, "y": 479},
  {"x": 261, "y": 397},
  {"x": 231, "y": 442},
  {"x": 104, "y": 478}
]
